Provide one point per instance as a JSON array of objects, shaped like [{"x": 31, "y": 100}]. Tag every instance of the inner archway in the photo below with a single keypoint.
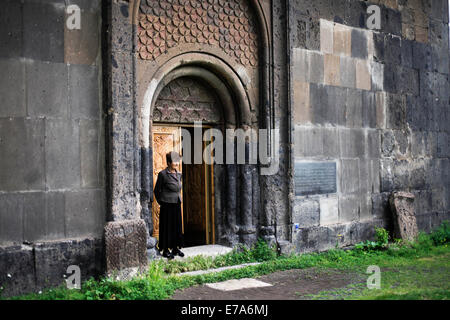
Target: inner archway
[{"x": 181, "y": 103}]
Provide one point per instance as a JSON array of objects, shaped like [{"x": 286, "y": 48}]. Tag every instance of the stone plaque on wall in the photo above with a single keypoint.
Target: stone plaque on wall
[{"x": 314, "y": 178}]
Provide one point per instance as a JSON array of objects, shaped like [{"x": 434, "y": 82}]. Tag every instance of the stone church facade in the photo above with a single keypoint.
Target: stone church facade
[{"x": 86, "y": 115}]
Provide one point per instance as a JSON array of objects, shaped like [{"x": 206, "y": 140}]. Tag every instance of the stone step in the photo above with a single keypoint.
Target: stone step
[
  {"x": 206, "y": 251},
  {"x": 204, "y": 272}
]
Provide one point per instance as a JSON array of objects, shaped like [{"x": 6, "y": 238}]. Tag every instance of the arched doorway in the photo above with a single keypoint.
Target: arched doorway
[{"x": 180, "y": 104}]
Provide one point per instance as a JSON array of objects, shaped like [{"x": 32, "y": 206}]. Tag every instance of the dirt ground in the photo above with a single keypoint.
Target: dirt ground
[{"x": 287, "y": 285}]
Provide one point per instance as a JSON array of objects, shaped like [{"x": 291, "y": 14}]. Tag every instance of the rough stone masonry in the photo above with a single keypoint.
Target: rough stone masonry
[{"x": 76, "y": 113}]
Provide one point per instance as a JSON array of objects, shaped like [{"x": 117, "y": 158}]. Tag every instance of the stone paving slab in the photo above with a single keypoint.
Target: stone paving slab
[{"x": 233, "y": 285}]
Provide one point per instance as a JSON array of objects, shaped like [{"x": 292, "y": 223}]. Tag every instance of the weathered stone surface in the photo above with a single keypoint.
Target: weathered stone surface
[
  {"x": 306, "y": 213},
  {"x": 348, "y": 72},
  {"x": 17, "y": 270},
  {"x": 91, "y": 165},
  {"x": 359, "y": 44},
  {"x": 326, "y": 36},
  {"x": 302, "y": 109},
  {"x": 47, "y": 89},
  {"x": 11, "y": 26},
  {"x": 43, "y": 30},
  {"x": 81, "y": 46},
  {"x": 62, "y": 154},
  {"x": 53, "y": 259},
  {"x": 84, "y": 100},
  {"x": 405, "y": 224},
  {"x": 342, "y": 40},
  {"x": 349, "y": 207},
  {"x": 329, "y": 211},
  {"x": 25, "y": 269},
  {"x": 332, "y": 70},
  {"x": 12, "y": 88},
  {"x": 22, "y": 154},
  {"x": 349, "y": 176},
  {"x": 85, "y": 212},
  {"x": 126, "y": 245}
]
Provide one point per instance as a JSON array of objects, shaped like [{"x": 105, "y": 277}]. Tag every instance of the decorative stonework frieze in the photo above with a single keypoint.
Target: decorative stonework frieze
[{"x": 226, "y": 24}]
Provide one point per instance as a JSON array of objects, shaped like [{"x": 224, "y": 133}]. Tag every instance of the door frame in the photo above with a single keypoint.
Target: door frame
[{"x": 210, "y": 237}]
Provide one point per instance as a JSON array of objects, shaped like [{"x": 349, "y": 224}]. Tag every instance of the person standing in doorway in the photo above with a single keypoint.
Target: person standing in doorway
[{"x": 168, "y": 194}]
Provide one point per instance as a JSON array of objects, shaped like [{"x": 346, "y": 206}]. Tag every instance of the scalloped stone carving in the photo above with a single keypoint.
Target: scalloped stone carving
[
  {"x": 226, "y": 24},
  {"x": 185, "y": 100}
]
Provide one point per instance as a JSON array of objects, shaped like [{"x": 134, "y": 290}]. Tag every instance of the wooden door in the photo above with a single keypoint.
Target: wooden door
[
  {"x": 198, "y": 196},
  {"x": 165, "y": 140}
]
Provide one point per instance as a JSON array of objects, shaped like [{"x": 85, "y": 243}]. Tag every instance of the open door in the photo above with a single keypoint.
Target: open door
[
  {"x": 198, "y": 187},
  {"x": 165, "y": 140}
]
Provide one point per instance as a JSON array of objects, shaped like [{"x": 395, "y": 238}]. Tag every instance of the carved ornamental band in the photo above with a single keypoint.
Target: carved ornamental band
[{"x": 226, "y": 24}]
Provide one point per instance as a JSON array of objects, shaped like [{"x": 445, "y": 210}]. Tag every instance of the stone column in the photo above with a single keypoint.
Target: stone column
[{"x": 125, "y": 233}]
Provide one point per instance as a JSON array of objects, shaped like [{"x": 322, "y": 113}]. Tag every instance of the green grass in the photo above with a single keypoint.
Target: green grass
[{"x": 416, "y": 270}]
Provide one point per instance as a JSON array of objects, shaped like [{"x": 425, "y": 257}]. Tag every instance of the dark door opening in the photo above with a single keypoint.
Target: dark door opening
[{"x": 198, "y": 200}]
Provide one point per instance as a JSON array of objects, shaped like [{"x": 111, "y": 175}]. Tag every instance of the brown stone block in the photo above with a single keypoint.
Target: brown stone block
[
  {"x": 421, "y": 34},
  {"x": 342, "y": 42},
  {"x": 363, "y": 77},
  {"x": 408, "y": 31},
  {"x": 126, "y": 245},
  {"x": 332, "y": 66},
  {"x": 82, "y": 46},
  {"x": 326, "y": 36},
  {"x": 391, "y": 4},
  {"x": 302, "y": 111},
  {"x": 380, "y": 98}
]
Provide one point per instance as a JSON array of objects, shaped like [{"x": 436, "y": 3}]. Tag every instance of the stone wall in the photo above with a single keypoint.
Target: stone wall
[
  {"x": 51, "y": 142},
  {"x": 376, "y": 103}
]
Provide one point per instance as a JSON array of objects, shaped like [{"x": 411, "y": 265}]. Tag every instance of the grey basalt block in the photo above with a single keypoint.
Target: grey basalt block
[
  {"x": 17, "y": 272},
  {"x": 85, "y": 212},
  {"x": 11, "y": 218},
  {"x": 348, "y": 72},
  {"x": 359, "y": 44},
  {"x": 407, "y": 53},
  {"x": 421, "y": 56},
  {"x": 323, "y": 111},
  {"x": 52, "y": 260},
  {"x": 21, "y": 163},
  {"x": 12, "y": 88},
  {"x": 351, "y": 143},
  {"x": 90, "y": 154},
  {"x": 44, "y": 30},
  {"x": 43, "y": 216},
  {"x": 330, "y": 142},
  {"x": 354, "y": 110},
  {"x": 369, "y": 110},
  {"x": 62, "y": 154},
  {"x": 395, "y": 111},
  {"x": 306, "y": 213},
  {"x": 349, "y": 207},
  {"x": 47, "y": 89},
  {"x": 84, "y": 97},
  {"x": 349, "y": 176},
  {"x": 11, "y": 29}
]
